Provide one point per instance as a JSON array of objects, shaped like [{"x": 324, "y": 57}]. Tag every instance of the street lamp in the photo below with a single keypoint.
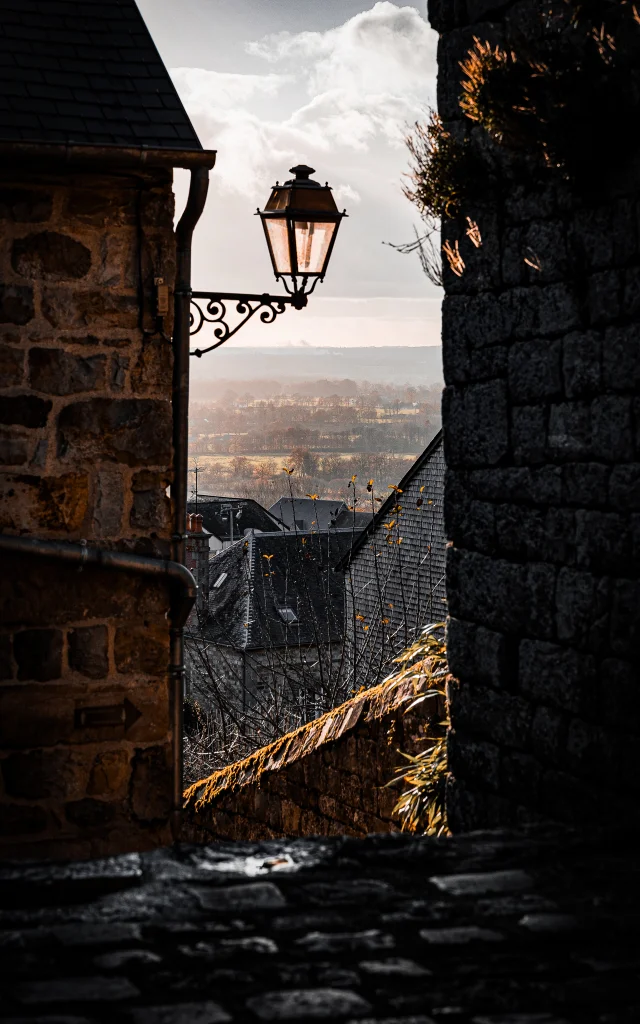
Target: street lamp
[{"x": 300, "y": 222}]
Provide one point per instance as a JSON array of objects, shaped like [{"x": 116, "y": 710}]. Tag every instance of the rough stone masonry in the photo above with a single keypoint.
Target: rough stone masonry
[
  {"x": 541, "y": 422},
  {"x": 86, "y": 454}
]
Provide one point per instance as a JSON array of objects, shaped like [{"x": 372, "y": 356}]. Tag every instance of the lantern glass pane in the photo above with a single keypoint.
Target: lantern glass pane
[
  {"x": 313, "y": 239},
  {"x": 279, "y": 242}
]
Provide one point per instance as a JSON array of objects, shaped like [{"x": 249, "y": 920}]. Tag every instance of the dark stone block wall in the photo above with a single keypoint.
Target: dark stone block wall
[
  {"x": 85, "y": 454},
  {"x": 329, "y": 777},
  {"x": 541, "y": 419}
]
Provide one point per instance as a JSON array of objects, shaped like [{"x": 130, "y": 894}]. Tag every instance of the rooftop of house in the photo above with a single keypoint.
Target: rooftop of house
[
  {"x": 349, "y": 519},
  {"x": 392, "y": 500},
  {"x": 308, "y": 513},
  {"x": 275, "y": 589},
  {"x": 246, "y": 514},
  {"x": 86, "y": 73}
]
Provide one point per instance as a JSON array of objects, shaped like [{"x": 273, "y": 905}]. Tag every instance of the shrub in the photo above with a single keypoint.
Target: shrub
[{"x": 421, "y": 806}]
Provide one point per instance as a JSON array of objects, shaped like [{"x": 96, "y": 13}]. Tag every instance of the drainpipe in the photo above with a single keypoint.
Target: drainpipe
[{"x": 198, "y": 187}]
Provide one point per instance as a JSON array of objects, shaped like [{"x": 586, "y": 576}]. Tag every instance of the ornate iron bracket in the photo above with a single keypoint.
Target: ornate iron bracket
[{"x": 211, "y": 307}]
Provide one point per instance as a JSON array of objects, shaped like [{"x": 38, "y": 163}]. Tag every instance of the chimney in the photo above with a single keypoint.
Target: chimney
[{"x": 197, "y": 560}]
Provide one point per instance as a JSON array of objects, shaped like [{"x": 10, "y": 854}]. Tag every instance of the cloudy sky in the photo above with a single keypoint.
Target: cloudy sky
[{"x": 331, "y": 83}]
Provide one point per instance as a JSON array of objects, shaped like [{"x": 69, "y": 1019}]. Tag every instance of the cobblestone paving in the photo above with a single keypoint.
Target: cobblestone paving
[{"x": 489, "y": 928}]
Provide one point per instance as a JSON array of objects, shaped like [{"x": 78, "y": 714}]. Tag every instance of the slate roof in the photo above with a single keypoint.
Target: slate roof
[
  {"x": 268, "y": 573},
  {"x": 308, "y": 513},
  {"x": 86, "y": 72},
  {"x": 247, "y": 515},
  {"x": 376, "y": 521},
  {"x": 356, "y": 521},
  {"x": 396, "y": 581}
]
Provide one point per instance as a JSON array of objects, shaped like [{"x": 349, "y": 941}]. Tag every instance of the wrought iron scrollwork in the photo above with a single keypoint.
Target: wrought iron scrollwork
[{"x": 211, "y": 308}]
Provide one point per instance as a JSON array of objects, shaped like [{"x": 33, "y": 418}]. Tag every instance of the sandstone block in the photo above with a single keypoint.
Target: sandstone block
[
  {"x": 142, "y": 649},
  {"x": 102, "y": 206},
  {"x": 154, "y": 367},
  {"x": 31, "y": 717},
  {"x": 14, "y": 451},
  {"x": 109, "y": 501},
  {"x": 24, "y": 411},
  {"x": 89, "y": 813},
  {"x": 88, "y": 651},
  {"x": 11, "y": 365},
  {"x": 68, "y": 309},
  {"x": 44, "y": 774},
  {"x": 151, "y": 508},
  {"x": 25, "y": 205},
  {"x": 151, "y": 784},
  {"x": 59, "y": 373},
  {"x": 21, "y": 820},
  {"x": 50, "y": 256},
  {"x": 132, "y": 431},
  {"x": 60, "y": 502},
  {"x": 38, "y": 653},
  {"x": 118, "y": 372},
  {"x": 16, "y": 304}
]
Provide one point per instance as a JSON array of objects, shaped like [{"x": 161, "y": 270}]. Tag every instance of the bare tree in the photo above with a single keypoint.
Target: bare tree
[{"x": 309, "y": 652}]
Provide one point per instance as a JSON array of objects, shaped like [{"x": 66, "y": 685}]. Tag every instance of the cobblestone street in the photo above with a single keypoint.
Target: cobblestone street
[{"x": 488, "y": 928}]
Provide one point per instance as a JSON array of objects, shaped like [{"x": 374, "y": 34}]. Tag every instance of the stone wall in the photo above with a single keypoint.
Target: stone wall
[
  {"x": 86, "y": 454},
  {"x": 541, "y": 414},
  {"x": 327, "y": 778}
]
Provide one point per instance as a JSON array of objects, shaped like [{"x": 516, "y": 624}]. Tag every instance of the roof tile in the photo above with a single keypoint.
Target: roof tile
[{"x": 97, "y": 59}]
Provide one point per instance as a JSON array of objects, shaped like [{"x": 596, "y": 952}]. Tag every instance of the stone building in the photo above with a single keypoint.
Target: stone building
[
  {"x": 395, "y": 570},
  {"x": 318, "y": 514},
  {"x": 228, "y": 519},
  {"x": 90, "y": 130},
  {"x": 273, "y": 630},
  {"x": 541, "y": 346}
]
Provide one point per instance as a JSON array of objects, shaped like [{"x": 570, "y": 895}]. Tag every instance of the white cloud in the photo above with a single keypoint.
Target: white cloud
[
  {"x": 366, "y": 80},
  {"x": 386, "y": 49},
  {"x": 223, "y": 89}
]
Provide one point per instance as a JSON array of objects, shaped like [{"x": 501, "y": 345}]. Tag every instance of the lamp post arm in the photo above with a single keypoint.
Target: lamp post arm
[{"x": 211, "y": 308}]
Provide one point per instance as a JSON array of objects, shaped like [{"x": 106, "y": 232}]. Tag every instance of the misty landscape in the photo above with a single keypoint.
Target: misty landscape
[{"x": 327, "y": 414}]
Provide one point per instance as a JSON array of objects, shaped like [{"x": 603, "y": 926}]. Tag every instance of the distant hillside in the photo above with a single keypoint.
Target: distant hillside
[{"x": 393, "y": 364}]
